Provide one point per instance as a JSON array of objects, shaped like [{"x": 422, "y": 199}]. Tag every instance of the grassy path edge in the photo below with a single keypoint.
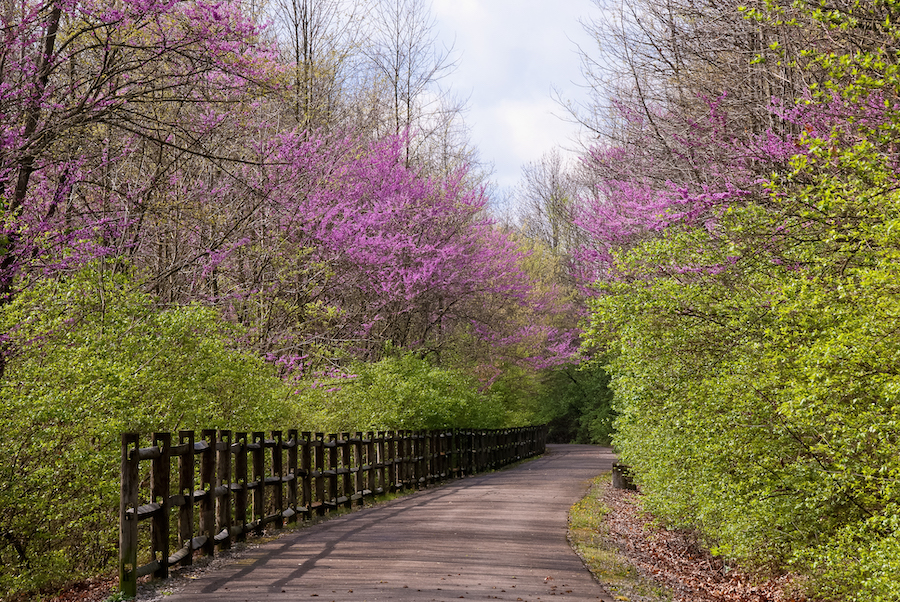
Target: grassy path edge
[{"x": 589, "y": 537}]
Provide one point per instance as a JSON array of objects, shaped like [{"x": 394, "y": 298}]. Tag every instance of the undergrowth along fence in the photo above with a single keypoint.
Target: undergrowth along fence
[{"x": 188, "y": 494}]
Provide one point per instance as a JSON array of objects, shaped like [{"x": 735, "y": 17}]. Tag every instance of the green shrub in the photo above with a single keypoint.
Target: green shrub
[
  {"x": 402, "y": 391},
  {"x": 576, "y": 402},
  {"x": 91, "y": 357},
  {"x": 761, "y": 406}
]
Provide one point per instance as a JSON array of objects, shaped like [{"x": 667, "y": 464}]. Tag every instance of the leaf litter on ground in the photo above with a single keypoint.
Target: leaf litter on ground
[{"x": 638, "y": 560}]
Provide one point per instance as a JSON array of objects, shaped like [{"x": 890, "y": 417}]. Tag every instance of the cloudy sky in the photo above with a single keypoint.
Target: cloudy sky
[{"x": 512, "y": 54}]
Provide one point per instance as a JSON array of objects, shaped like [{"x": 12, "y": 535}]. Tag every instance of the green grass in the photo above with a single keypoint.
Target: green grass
[{"x": 589, "y": 537}]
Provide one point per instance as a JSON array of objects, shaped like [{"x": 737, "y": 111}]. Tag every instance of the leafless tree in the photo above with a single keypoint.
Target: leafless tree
[
  {"x": 546, "y": 199},
  {"x": 659, "y": 66},
  {"x": 404, "y": 53},
  {"x": 373, "y": 67},
  {"x": 321, "y": 43}
]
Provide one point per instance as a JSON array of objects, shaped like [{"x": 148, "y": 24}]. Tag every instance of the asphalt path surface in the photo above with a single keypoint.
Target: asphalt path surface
[{"x": 497, "y": 536}]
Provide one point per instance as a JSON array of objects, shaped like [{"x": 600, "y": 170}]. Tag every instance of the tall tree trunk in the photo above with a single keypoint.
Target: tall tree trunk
[{"x": 25, "y": 165}]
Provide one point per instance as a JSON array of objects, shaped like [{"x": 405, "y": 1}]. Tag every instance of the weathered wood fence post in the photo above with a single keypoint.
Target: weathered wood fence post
[
  {"x": 292, "y": 477},
  {"x": 159, "y": 494},
  {"x": 128, "y": 520},
  {"x": 223, "y": 489},
  {"x": 240, "y": 486}
]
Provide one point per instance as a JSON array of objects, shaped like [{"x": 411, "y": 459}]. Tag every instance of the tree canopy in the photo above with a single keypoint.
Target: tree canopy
[
  {"x": 209, "y": 209},
  {"x": 741, "y": 260}
]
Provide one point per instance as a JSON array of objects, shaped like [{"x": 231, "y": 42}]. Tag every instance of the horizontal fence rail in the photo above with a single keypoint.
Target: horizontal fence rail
[{"x": 191, "y": 494}]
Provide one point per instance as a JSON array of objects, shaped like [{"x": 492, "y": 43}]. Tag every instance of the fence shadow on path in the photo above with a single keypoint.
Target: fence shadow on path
[
  {"x": 196, "y": 493},
  {"x": 493, "y": 536}
]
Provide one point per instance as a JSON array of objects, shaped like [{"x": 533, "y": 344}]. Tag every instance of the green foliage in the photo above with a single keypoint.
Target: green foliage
[
  {"x": 401, "y": 391},
  {"x": 576, "y": 403},
  {"x": 761, "y": 403},
  {"x": 518, "y": 391},
  {"x": 93, "y": 358}
]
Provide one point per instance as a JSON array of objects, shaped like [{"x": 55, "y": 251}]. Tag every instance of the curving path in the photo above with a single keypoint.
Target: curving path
[{"x": 498, "y": 536}]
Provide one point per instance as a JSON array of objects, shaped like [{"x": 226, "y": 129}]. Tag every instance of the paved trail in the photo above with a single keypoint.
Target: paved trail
[{"x": 499, "y": 536}]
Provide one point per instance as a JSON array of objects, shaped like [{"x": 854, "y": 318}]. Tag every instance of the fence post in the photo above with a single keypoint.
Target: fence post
[
  {"x": 259, "y": 480},
  {"x": 394, "y": 460},
  {"x": 462, "y": 458},
  {"x": 278, "y": 472},
  {"x": 361, "y": 469},
  {"x": 320, "y": 473},
  {"x": 478, "y": 446},
  {"x": 293, "y": 474},
  {"x": 442, "y": 471},
  {"x": 390, "y": 462},
  {"x": 452, "y": 448},
  {"x": 434, "y": 462},
  {"x": 406, "y": 445},
  {"x": 347, "y": 466},
  {"x": 414, "y": 455},
  {"x": 433, "y": 459},
  {"x": 483, "y": 451},
  {"x": 495, "y": 449},
  {"x": 432, "y": 470},
  {"x": 493, "y": 438},
  {"x": 240, "y": 477},
  {"x": 128, "y": 519},
  {"x": 400, "y": 459},
  {"x": 524, "y": 438},
  {"x": 307, "y": 470},
  {"x": 159, "y": 493},
  {"x": 462, "y": 455},
  {"x": 397, "y": 463},
  {"x": 223, "y": 486},
  {"x": 421, "y": 460},
  {"x": 381, "y": 476},
  {"x": 208, "y": 484},
  {"x": 443, "y": 457},
  {"x": 468, "y": 439},
  {"x": 371, "y": 460},
  {"x": 424, "y": 453},
  {"x": 186, "y": 490},
  {"x": 465, "y": 453}
]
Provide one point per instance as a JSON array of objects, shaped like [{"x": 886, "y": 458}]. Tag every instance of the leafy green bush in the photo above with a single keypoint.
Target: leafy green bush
[
  {"x": 399, "y": 392},
  {"x": 577, "y": 404},
  {"x": 760, "y": 404},
  {"x": 91, "y": 357}
]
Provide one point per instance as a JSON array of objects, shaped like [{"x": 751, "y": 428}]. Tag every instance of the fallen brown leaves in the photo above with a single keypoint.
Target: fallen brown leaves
[
  {"x": 95, "y": 589},
  {"x": 676, "y": 561}
]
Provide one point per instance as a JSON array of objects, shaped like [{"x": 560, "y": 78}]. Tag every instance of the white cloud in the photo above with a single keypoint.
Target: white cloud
[
  {"x": 515, "y": 132},
  {"x": 512, "y": 53}
]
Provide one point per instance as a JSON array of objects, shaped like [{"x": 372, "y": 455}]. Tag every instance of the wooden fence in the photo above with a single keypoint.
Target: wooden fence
[{"x": 201, "y": 493}]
